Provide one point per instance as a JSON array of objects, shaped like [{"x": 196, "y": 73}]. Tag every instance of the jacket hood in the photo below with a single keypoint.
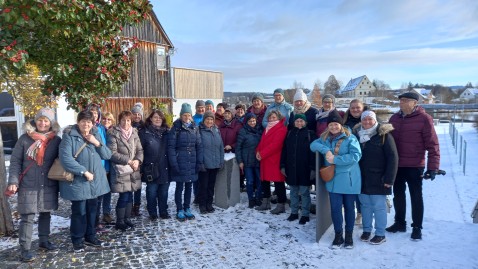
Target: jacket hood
[{"x": 30, "y": 126}]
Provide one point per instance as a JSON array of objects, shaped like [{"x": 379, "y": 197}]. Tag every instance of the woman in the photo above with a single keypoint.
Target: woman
[
  {"x": 258, "y": 108},
  {"x": 328, "y": 105},
  {"x": 155, "y": 168},
  {"x": 345, "y": 185},
  {"x": 297, "y": 162},
  {"x": 185, "y": 159},
  {"x": 107, "y": 121},
  {"x": 229, "y": 129},
  {"x": 213, "y": 160},
  {"x": 379, "y": 165},
  {"x": 247, "y": 141},
  {"x": 32, "y": 156},
  {"x": 126, "y": 150},
  {"x": 268, "y": 152},
  {"x": 90, "y": 177}
]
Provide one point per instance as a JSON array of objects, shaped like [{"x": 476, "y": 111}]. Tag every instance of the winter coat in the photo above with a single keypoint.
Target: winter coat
[
  {"x": 347, "y": 178},
  {"x": 89, "y": 160},
  {"x": 310, "y": 115},
  {"x": 270, "y": 149},
  {"x": 185, "y": 152},
  {"x": 213, "y": 146},
  {"x": 259, "y": 116},
  {"x": 297, "y": 159},
  {"x": 36, "y": 193},
  {"x": 414, "y": 134},
  {"x": 155, "y": 164},
  {"x": 218, "y": 119},
  {"x": 284, "y": 108},
  {"x": 322, "y": 122},
  {"x": 349, "y": 120},
  {"x": 246, "y": 144},
  {"x": 197, "y": 118},
  {"x": 229, "y": 132},
  {"x": 122, "y": 152},
  {"x": 379, "y": 162}
]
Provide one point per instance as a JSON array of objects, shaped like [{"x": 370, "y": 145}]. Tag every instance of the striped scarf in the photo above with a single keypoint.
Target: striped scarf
[{"x": 36, "y": 151}]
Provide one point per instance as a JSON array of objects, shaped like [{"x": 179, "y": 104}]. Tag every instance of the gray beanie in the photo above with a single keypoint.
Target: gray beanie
[
  {"x": 185, "y": 108},
  {"x": 328, "y": 97},
  {"x": 138, "y": 108},
  {"x": 258, "y": 96},
  {"x": 47, "y": 113},
  {"x": 200, "y": 103}
]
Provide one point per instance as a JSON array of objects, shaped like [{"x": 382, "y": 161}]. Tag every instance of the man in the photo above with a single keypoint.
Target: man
[
  {"x": 200, "y": 109},
  {"x": 258, "y": 108},
  {"x": 137, "y": 122},
  {"x": 414, "y": 134},
  {"x": 303, "y": 106},
  {"x": 210, "y": 106},
  {"x": 219, "y": 117},
  {"x": 279, "y": 104}
]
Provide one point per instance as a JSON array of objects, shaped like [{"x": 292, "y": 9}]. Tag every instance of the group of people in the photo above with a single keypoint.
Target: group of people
[{"x": 272, "y": 144}]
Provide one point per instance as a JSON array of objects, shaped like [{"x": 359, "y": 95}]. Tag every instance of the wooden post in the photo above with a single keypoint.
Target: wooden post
[
  {"x": 322, "y": 211},
  {"x": 6, "y": 222}
]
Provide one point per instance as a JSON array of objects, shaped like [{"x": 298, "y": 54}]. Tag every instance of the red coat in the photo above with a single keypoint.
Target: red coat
[{"x": 270, "y": 149}]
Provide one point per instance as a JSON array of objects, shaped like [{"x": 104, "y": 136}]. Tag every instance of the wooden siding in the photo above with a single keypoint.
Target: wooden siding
[
  {"x": 197, "y": 84},
  {"x": 148, "y": 31},
  {"x": 116, "y": 105}
]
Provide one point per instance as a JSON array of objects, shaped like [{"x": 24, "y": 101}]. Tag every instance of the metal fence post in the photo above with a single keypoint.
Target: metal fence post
[
  {"x": 322, "y": 206},
  {"x": 461, "y": 146},
  {"x": 464, "y": 159}
]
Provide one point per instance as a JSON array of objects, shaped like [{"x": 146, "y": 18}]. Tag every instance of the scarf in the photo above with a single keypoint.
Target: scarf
[
  {"x": 36, "y": 151},
  {"x": 365, "y": 135},
  {"x": 126, "y": 134},
  {"x": 302, "y": 109},
  {"x": 323, "y": 114},
  {"x": 333, "y": 136},
  {"x": 271, "y": 124}
]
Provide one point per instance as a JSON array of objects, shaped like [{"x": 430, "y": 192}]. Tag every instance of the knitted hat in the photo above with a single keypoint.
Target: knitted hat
[
  {"x": 208, "y": 114},
  {"x": 47, "y": 113},
  {"x": 200, "y": 103},
  {"x": 334, "y": 116},
  {"x": 250, "y": 115},
  {"x": 258, "y": 96},
  {"x": 368, "y": 113},
  {"x": 223, "y": 104},
  {"x": 409, "y": 95},
  {"x": 230, "y": 109},
  {"x": 138, "y": 108},
  {"x": 238, "y": 106},
  {"x": 185, "y": 108},
  {"x": 279, "y": 90},
  {"x": 329, "y": 98},
  {"x": 300, "y": 95},
  {"x": 300, "y": 116},
  {"x": 209, "y": 102}
]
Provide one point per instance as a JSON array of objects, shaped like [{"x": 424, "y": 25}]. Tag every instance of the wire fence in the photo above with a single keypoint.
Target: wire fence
[{"x": 459, "y": 144}]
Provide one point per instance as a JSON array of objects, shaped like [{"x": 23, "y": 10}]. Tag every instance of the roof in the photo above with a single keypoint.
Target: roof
[
  {"x": 353, "y": 83},
  {"x": 473, "y": 90}
]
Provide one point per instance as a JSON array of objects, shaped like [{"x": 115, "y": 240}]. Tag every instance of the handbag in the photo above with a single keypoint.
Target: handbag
[
  {"x": 9, "y": 193},
  {"x": 57, "y": 172},
  {"x": 327, "y": 173},
  {"x": 123, "y": 169}
]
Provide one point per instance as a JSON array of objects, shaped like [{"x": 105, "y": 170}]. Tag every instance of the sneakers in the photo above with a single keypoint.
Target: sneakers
[
  {"x": 293, "y": 217},
  {"x": 210, "y": 208},
  {"x": 153, "y": 218},
  {"x": 303, "y": 220},
  {"x": 107, "y": 218},
  {"x": 396, "y": 227},
  {"x": 47, "y": 246},
  {"x": 93, "y": 242},
  {"x": 78, "y": 247},
  {"x": 180, "y": 215},
  {"x": 377, "y": 240},
  {"x": 416, "y": 234},
  {"x": 189, "y": 215},
  {"x": 338, "y": 241},
  {"x": 349, "y": 242},
  {"x": 365, "y": 236},
  {"x": 358, "y": 219},
  {"x": 27, "y": 256}
]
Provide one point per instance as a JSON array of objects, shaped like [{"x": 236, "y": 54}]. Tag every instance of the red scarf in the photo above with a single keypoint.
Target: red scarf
[{"x": 36, "y": 151}]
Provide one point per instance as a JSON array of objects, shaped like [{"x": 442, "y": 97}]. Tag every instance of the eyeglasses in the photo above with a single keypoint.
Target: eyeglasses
[{"x": 107, "y": 119}]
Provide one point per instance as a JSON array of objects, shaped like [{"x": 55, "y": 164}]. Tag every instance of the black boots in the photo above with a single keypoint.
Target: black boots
[
  {"x": 349, "y": 242},
  {"x": 127, "y": 215},
  {"x": 338, "y": 240},
  {"x": 120, "y": 225}
]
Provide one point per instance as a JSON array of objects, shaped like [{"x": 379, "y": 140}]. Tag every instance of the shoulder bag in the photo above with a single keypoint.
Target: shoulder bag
[
  {"x": 57, "y": 172},
  {"x": 327, "y": 173}
]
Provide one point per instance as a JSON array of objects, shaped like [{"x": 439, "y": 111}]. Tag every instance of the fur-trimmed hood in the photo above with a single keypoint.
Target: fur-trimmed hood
[
  {"x": 383, "y": 128},
  {"x": 30, "y": 126}
]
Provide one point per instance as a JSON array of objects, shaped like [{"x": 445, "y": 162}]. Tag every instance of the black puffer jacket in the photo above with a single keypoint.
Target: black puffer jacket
[
  {"x": 246, "y": 144},
  {"x": 155, "y": 165}
]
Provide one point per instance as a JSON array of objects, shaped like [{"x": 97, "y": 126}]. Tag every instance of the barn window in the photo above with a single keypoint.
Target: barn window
[{"x": 161, "y": 52}]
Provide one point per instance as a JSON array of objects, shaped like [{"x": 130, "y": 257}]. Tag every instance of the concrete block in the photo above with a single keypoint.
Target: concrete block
[{"x": 227, "y": 189}]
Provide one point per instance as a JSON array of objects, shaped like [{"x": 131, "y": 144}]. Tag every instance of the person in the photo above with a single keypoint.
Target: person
[
  {"x": 279, "y": 105},
  {"x": 210, "y": 106},
  {"x": 200, "y": 109},
  {"x": 240, "y": 113},
  {"x": 213, "y": 160},
  {"x": 108, "y": 121},
  {"x": 346, "y": 183},
  {"x": 126, "y": 149},
  {"x": 303, "y": 106},
  {"x": 258, "y": 108},
  {"x": 352, "y": 118},
  {"x": 185, "y": 153},
  {"x": 378, "y": 167},
  {"x": 414, "y": 135},
  {"x": 219, "y": 116},
  {"x": 268, "y": 153},
  {"x": 328, "y": 105},
  {"x": 155, "y": 167},
  {"x": 137, "y": 123},
  {"x": 247, "y": 141},
  {"x": 32, "y": 156},
  {"x": 89, "y": 180},
  {"x": 229, "y": 129},
  {"x": 297, "y": 164}
]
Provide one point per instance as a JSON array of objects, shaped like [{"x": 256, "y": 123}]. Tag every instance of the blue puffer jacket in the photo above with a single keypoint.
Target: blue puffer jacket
[
  {"x": 347, "y": 178},
  {"x": 185, "y": 152},
  {"x": 284, "y": 108},
  {"x": 88, "y": 160},
  {"x": 213, "y": 147},
  {"x": 246, "y": 144}
]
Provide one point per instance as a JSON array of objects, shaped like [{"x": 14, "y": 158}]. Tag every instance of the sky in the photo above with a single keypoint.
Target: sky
[{"x": 264, "y": 45}]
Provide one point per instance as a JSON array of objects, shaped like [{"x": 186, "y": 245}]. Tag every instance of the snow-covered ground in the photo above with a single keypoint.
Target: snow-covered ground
[{"x": 258, "y": 240}]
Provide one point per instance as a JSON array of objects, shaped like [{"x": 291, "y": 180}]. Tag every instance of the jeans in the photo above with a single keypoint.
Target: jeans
[
  {"x": 279, "y": 189},
  {"x": 157, "y": 194},
  {"x": 411, "y": 176},
  {"x": 26, "y": 229},
  {"x": 337, "y": 201},
  {"x": 104, "y": 200},
  {"x": 253, "y": 178},
  {"x": 207, "y": 181},
  {"x": 304, "y": 193},
  {"x": 374, "y": 206},
  {"x": 82, "y": 225},
  {"x": 137, "y": 196},
  {"x": 178, "y": 195},
  {"x": 357, "y": 205},
  {"x": 124, "y": 199}
]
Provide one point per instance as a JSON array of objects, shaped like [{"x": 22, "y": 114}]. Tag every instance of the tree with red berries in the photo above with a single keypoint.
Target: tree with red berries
[{"x": 76, "y": 44}]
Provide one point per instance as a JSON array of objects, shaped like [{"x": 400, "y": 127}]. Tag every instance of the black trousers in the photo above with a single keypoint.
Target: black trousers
[
  {"x": 207, "y": 181},
  {"x": 413, "y": 177}
]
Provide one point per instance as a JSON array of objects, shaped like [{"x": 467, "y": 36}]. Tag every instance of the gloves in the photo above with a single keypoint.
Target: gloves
[{"x": 430, "y": 174}]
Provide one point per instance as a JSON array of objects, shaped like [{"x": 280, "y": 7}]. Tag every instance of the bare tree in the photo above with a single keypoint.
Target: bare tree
[
  {"x": 332, "y": 85},
  {"x": 297, "y": 85},
  {"x": 6, "y": 222}
]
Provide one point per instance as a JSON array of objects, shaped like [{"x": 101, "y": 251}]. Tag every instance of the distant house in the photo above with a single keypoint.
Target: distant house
[
  {"x": 358, "y": 88},
  {"x": 470, "y": 94},
  {"x": 425, "y": 96}
]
